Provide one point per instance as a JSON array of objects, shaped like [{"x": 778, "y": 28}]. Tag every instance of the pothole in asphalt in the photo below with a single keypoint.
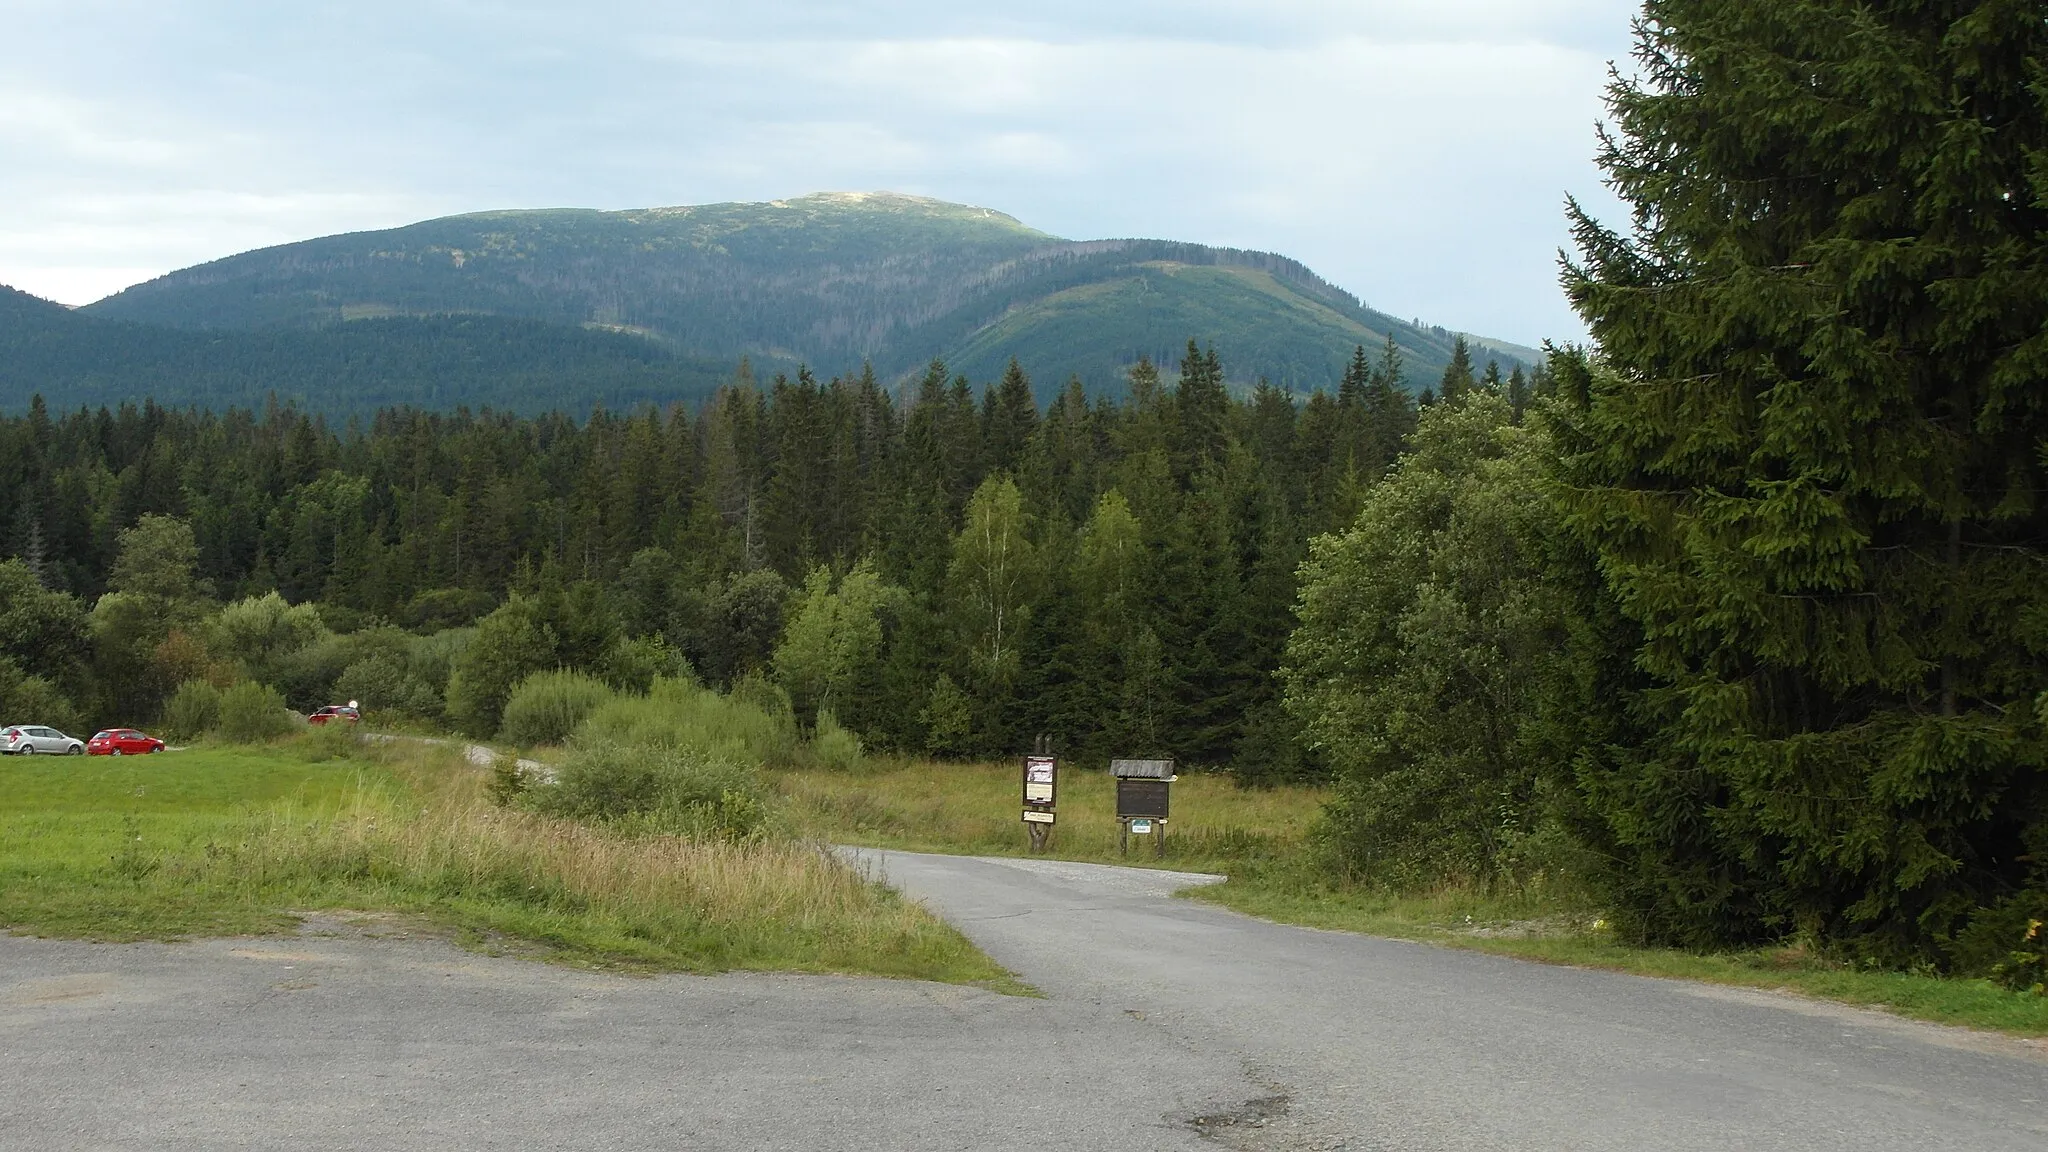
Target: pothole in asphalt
[{"x": 1251, "y": 1116}]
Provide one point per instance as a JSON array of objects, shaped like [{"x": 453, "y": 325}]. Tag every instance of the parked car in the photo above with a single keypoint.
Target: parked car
[
  {"x": 122, "y": 742},
  {"x": 28, "y": 739},
  {"x": 346, "y": 712}
]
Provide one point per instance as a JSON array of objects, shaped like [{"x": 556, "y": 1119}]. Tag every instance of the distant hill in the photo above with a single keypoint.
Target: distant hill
[
  {"x": 508, "y": 363},
  {"x": 832, "y": 280}
]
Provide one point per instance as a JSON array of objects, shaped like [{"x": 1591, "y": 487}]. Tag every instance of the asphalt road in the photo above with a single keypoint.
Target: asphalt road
[
  {"x": 1378, "y": 1044},
  {"x": 1167, "y": 1024},
  {"x": 342, "y": 1038}
]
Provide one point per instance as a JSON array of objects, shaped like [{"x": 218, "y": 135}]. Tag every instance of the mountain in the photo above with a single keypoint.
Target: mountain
[
  {"x": 512, "y": 363},
  {"x": 831, "y": 280}
]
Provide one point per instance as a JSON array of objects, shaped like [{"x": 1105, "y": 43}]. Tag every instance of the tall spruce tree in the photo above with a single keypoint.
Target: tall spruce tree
[
  {"x": 1812, "y": 466},
  {"x": 1457, "y": 380}
]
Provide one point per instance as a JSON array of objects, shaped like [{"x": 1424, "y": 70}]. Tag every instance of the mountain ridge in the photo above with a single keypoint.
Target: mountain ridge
[{"x": 832, "y": 279}]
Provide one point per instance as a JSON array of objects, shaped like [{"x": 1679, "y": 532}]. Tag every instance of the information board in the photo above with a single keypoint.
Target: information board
[
  {"x": 1041, "y": 781},
  {"x": 1141, "y": 798}
]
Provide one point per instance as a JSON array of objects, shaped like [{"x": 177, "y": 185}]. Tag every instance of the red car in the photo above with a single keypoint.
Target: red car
[
  {"x": 122, "y": 742},
  {"x": 336, "y": 712}
]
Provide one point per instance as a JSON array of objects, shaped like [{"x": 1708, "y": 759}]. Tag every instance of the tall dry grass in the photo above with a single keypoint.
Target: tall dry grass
[
  {"x": 423, "y": 836},
  {"x": 975, "y": 808}
]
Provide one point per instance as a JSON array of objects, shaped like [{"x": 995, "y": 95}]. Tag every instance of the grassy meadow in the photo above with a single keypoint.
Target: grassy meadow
[
  {"x": 218, "y": 841},
  {"x": 974, "y": 809}
]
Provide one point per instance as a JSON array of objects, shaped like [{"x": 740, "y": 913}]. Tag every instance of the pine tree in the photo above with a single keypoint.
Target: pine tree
[{"x": 1811, "y": 465}]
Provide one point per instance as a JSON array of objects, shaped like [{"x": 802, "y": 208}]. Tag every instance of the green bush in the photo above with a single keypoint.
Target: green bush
[
  {"x": 335, "y": 740},
  {"x": 252, "y": 713},
  {"x": 510, "y": 644},
  {"x": 2006, "y": 943},
  {"x": 667, "y": 789},
  {"x": 191, "y": 712},
  {"x": 263, "y": 633},
  {"x": 26, "y": 699},
  {"x": 683, "y": 717},
  {"x": 380, "y": 683},
  {"x": 431, "y": 659},
  {"x": 547, "y": 706},
  {"x": 634, "y": 665},
  {"x": 834, "y": 747}
]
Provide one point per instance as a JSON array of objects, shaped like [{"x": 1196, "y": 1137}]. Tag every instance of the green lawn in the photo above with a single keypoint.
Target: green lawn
[
  {"x": 129, "y": 847},
  {"x": 231, "y": 841}
]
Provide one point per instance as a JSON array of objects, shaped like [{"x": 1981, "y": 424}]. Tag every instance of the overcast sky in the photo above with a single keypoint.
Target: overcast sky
[{"x": 1416, "y": 152}]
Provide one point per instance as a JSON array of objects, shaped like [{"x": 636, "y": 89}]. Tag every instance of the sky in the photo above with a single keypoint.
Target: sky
[{"x": 1415, "y": 152}]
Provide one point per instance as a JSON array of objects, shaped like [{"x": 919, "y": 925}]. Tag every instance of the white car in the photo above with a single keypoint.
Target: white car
[{"x": 27, "y": 739}]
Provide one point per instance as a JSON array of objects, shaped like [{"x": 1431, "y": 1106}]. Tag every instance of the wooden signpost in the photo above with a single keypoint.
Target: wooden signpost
[
  {"x": 1041, "y": 792},
  {"x": 1143, "y": 791}
]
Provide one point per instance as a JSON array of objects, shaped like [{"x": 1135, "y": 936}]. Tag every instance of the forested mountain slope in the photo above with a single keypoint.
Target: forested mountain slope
[
  {"x": 832, "y": 279},
  {"x": 515, "y": 364}
]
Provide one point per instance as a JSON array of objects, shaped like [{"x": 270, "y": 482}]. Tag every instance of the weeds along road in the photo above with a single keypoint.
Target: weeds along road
[{"x": 1365, "y": 1043}]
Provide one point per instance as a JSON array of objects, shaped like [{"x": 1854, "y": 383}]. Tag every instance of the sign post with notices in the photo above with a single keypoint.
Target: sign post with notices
[
  {"x": 1143, "y": 795},
  {"x": 1041, "y": 792}
]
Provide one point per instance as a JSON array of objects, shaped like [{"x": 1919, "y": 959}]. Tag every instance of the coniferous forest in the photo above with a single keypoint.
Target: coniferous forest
[
  {"x": 1738, "y": 614},
  {"x": 967, "y": 569}
]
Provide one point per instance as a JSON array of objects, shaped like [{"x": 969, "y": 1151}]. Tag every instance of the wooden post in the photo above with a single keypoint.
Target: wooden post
[{"x": 1038, "y": 832}]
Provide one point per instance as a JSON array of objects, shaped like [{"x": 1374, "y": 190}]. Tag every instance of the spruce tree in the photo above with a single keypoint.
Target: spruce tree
[
  {"x": 1812, "y": 466},
  {"x": 1457, "y": 380},
  {"x": 1200, "y": 409},
  {"x": 1008, "y": 416}
]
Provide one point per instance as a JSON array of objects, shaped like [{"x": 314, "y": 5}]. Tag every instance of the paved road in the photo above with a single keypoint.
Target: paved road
[
  {"x": 1167, "y": 1025},
  {"x": 339, "y": 1039},
  {"x": 1378, "y": 1044}
]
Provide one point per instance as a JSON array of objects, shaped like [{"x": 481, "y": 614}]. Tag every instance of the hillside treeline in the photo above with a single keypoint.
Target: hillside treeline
[
  {"x": 953, "y": 572},
  {"x": 439, "y": 361}
]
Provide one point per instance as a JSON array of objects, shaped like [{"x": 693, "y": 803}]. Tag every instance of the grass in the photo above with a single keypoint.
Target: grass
[
  {"x": 1562, "y": 928},
  {"x": 1258, "y": 838},
  {"x": 974, "y": 809},
  {"x": 233, "y": 841}
]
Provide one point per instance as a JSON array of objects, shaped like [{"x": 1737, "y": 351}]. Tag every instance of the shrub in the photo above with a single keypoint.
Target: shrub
[
  {"x": 2006, "y": 942},
  {"x": 192, "y": 711},
  {"x": 634, "y": 665},
  {"x": 547, "y": 706},
  {"x": 252, "y": 713},
  {"x": 508, "y": 783},
  {"x": 335, "y": 740},
  {"x": 681, "y": 716},
  {"x": 834, "y": 747},
  {"x": 431, "y": 659},
  {"x": 510, "y": 644},
  {"x": 26, "y": 699},
  {"x": 263, "y": 632},
  {"x": 382, "y": 684},
  {"x": 669, "y": 789}
]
